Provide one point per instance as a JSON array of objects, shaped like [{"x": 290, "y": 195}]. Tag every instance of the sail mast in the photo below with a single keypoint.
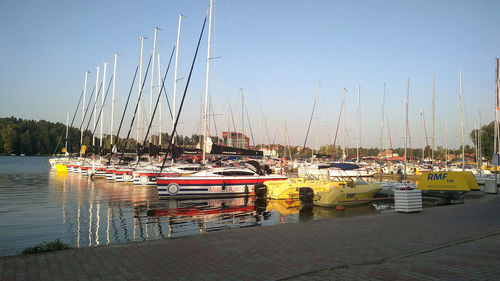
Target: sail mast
[
  {"x": 102, "y": 103},
  {"x": 95, "y": 103},
  {"x": 67, "y": 126},
  {"x": 242, "y": 118},
  {"x": 159, "y": 93},
  {"x": 113, "y": 102},
  {"x": 462, "y": 122},
  {"x": 358, "y": 124},
  {"x": 174, "y": 113},
  {"x": 139, "y": 90},
  {"x": 83, "y": 104},
  {"x": 206, "y": 82},
  {"x": 152, "y": 80},
  {"x": 382, "y": 123},
  {"x": 433, "y": 118},
  {"x": 406, "y": 125}
]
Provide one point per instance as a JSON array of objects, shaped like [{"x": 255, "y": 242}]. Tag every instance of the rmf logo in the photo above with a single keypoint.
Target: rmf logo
[{"x": 436, "y": 176}]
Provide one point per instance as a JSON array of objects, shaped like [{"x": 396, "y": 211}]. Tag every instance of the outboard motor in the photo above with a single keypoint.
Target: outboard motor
[
  {"x": 260, "y": 205},
  {"x": 306, "y": 194},
  {"x": 260, "y": 190}
]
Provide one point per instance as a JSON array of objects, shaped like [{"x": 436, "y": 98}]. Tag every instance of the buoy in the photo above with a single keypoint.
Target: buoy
[
  {"x": 340, "y": 208},
  {"x": 289, "y": 200}
]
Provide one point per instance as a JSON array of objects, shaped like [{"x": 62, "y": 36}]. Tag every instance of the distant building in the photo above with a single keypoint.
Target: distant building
[
  {"x": 388, "y": 153},
  {"x": 235, "y": 139}
]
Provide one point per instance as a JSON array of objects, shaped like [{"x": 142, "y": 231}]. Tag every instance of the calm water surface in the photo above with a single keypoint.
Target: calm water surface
[{"x": 39, "y": 205}]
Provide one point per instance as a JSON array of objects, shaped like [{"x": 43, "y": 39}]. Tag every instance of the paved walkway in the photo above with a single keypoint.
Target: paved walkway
[{"x": 451, "y": 242}]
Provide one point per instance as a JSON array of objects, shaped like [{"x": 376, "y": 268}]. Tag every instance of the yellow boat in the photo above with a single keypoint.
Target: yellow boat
[
  {"x": 61, "y": 168},
  {"x": 346, "y": 193},
  {"x": 289, "y": 188}
]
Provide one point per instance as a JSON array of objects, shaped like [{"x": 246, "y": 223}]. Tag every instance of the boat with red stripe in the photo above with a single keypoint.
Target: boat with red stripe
[{"x": 214, "y": 182}]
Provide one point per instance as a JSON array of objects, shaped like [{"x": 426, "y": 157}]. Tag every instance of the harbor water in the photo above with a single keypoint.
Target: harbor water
[{"x": 39, "y": 205}]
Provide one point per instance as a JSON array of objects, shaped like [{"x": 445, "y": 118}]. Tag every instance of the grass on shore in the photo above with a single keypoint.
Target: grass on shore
[{"x": 44, "y": 247}]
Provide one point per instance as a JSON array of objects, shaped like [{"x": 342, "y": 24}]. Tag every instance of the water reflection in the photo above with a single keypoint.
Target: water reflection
[{"x": 40, "y": 205}]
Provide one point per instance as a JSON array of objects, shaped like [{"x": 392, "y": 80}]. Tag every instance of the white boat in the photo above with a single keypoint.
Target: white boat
[{"x": 213, "y": 182}]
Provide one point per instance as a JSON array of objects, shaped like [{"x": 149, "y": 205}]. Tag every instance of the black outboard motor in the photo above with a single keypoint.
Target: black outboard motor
[
  {"x": 306, "y": 194},
  {"x": 260, "y": 190}
]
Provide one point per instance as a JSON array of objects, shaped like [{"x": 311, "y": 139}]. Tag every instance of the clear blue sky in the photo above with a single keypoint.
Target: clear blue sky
[{"x": 276, "y": 51}]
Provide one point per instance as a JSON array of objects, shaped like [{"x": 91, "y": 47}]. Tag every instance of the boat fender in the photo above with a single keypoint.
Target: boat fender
[
  {"x": 283, "y": 162},
  {"x": 306, "y": 194},
  {"x": 340, "y": 208},
  {"x": 260, "y": 190},
  {"x": 223, "y": 186}
]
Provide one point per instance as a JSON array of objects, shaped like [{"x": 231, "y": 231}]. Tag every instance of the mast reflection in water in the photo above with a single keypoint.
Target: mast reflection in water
[{"x": 38, "y": 205}]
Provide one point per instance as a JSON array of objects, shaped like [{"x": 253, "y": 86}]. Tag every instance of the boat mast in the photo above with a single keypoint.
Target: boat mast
[
  {"x": 462, "y": 122},
  {"x": 446, "y": 142},
  {"x": 174, "y": 113},
  {"x": 139, "y": 90},
  {"x": 358, "y": 125},
  {"x": 382, "y": 123},
  {"x": 423, "y": 133},
  {"x": 95, "y": 104},
  {"x": 152, "y": 80},
  {"x": 67, "y": 126},
  {"x": 480, "y": 144},
  {"x": 242, "y": 118},
  {"x": 260, "y": 130},
  {"x": 497, "y": 103},
  {"x": 228, "y": 134},
  {"x": 159, "y": 102},
  {"x": 113, "y": 102},
  {"x": 83, "y": 104},
  {"x": 433, "y": 118},
  {"x": 315, "y": 126},
  {"x": 406, "y": 125},
  {"x": 102, "y": 103},
  {"x": 206, "y": 82},
  {"x": 343, "y": 132}
]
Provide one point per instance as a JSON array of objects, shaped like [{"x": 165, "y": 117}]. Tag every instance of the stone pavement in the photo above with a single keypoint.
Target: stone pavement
[{"x": 450, "y": 242}]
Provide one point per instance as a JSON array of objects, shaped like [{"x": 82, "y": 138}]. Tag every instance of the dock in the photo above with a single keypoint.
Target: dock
[{"x": 440, "y": 243}]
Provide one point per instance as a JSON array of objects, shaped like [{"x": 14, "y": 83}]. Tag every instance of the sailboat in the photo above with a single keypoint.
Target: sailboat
[{"x": 231, "y": 181}]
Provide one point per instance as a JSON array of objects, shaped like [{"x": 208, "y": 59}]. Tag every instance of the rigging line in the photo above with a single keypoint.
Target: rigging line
[
  {"x": 337, "y": 130},
  {"x": 168, "y": 102},
  {"x": 135, "y": 111},
  {"x": 158, "y": 98},
  {"x": 72, "y": 120},
  {"x": 102, "y": 107},
  {"x": 310, "y": 120},
  {"x": 87, "y": 108},
  {"x": 170, "y": 143},
  {"x": 124, "y": 110},
  {"x": 93, "y": 107},
  {"x": 249, "y": 126},
  {"x": 275, "y": 134},
  {"x": 213, "y": 114}
]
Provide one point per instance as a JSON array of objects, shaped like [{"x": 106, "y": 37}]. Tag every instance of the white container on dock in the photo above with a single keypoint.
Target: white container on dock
[
  {"x": 490, "y": 186},
  {"x": 408, "y": 201}
]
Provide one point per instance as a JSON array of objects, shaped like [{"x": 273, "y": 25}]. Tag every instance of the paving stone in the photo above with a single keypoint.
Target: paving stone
[{"x": 457, "y": 242}]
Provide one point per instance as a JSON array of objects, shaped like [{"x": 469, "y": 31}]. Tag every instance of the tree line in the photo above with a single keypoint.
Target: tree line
[{"x": 30, "y": 137}]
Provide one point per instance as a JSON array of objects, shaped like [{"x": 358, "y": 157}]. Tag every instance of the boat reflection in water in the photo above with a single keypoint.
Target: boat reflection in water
[
  {"x": 83, "y": 212},
  {"x": 188, "y": 217}
]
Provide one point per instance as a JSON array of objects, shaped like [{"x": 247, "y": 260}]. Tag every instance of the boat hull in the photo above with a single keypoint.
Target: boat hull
[{"x": 208, "y": 187}]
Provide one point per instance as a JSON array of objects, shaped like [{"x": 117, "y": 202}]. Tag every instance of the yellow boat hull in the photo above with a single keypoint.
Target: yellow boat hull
[
  {"x": 289, "y": 188},
  {"x": 346, "y": 195},
  {"x": 61, "y": 168}
]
